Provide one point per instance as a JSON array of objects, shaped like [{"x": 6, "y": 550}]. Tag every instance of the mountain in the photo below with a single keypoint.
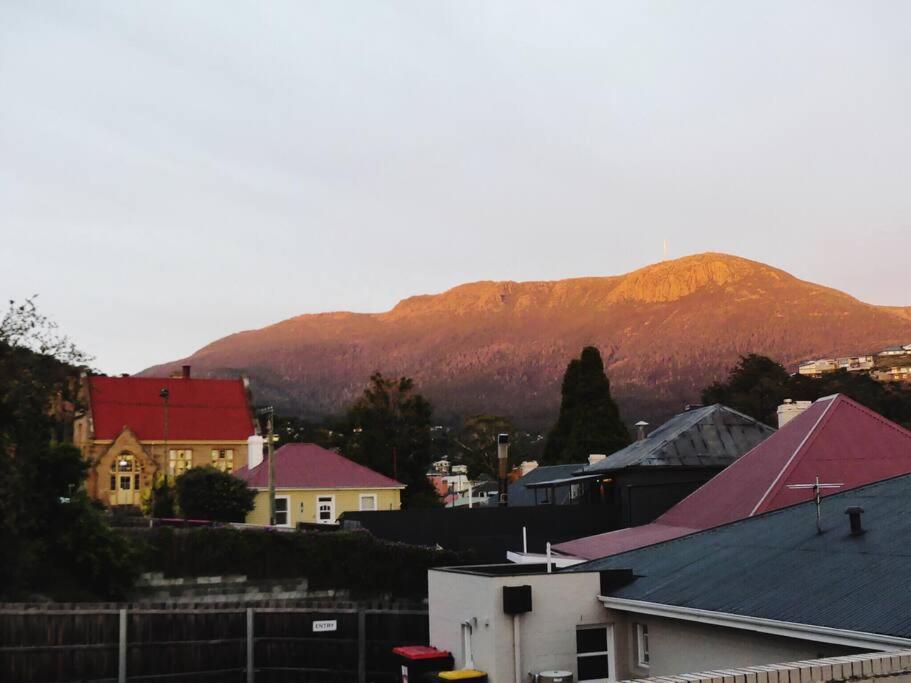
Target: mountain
[{"x": 665, "y": 331}]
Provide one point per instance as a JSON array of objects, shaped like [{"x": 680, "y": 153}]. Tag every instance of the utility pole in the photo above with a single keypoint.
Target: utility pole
[{"x": 271, "y": 451}]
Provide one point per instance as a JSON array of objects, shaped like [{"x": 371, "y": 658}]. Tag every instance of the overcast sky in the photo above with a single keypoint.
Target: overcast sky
[{"x": 171, "y": 172}]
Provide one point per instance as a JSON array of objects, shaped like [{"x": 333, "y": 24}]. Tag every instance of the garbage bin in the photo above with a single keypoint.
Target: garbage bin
[
  {"x": 416, "y": 660},
  {"x": 472, "y": 675}
]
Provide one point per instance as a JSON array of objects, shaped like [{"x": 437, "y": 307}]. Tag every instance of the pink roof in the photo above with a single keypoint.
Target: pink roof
[
  {"x": 836, "y": 438},
  {"x": 198, "y": 409},
  {"x": 308, "y": 466}
]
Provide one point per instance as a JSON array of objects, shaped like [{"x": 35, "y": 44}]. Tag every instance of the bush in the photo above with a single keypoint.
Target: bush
[
  {"x": 208, "y": 493},
  {"x": 353, "y": 560}
]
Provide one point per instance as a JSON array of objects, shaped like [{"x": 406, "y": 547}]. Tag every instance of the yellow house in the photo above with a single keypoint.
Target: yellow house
[{"x": 314, "y": 485}]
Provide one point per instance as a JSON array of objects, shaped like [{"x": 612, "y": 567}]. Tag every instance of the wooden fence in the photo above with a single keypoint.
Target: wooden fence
[{"x": 266, "y": 643}]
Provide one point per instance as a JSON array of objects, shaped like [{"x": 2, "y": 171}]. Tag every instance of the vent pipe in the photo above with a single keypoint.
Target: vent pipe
[
  {"x": 502, "y": 458},
  {"x": 640, "y": 430},
  {"x": 854, "y": 514}
]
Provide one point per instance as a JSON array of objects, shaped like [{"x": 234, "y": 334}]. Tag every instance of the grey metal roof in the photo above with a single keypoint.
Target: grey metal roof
[
  {"x": 563, "y": 481},
  {"x": 519, "y": 495},
  {"x": 776, "y": 566},
  {"x": 711, "y": 436}
]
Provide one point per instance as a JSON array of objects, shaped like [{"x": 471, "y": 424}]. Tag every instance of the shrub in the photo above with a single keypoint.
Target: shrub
[{"x": 208, "y": 493}]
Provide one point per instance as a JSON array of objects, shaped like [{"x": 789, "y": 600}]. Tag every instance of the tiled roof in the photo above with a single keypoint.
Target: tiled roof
[
  {"x": 711, "y": 436},
  {"x": 197, "y": 409},
  {"x": 836, "y": 438},
  {"x": 308, "y": 466},
  {"x": 777, "y": 566}
]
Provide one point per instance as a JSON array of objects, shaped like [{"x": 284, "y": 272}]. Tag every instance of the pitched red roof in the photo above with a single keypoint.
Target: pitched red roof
[
  {"x": 198, "y": 409},
  {"x": 836, "y": 438},
  {"x": 308, "y": 466}
]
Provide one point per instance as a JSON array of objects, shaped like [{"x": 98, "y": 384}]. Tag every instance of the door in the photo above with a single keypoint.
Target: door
[
  {"x": 325, "y": 509},
  {"x": 126, "y": 480}
]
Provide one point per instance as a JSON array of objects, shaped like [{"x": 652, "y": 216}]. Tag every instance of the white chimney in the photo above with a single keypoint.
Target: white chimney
[
  {"x": 527, "y": 466},
  {"x": 254, "y": 450},
  {"x": 788, "y": 410},
  {"x": 596, "y": 457}
]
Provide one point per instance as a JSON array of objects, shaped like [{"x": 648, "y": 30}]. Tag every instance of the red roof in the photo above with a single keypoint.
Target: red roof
[
  {"x": 836, "y": 438},
  {"x": 198, "y": 409},
  {"x": 308, "y": 466}
]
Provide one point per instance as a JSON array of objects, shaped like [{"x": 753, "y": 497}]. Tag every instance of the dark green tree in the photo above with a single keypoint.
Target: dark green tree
[
  {"x": 757, "y": 385},
  {"x": 209, "y": 493},
  {"x": 390, "y": 433},
  {"x": 589, "y": 420}
]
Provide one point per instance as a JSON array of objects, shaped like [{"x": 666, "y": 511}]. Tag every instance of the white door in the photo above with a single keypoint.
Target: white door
[
  {"x": 325, "y": 509},
  {"x": 594, "y": 654}
]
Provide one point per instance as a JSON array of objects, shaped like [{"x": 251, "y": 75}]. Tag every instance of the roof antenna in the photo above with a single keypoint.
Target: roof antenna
[{"x": 817, "y": 488}]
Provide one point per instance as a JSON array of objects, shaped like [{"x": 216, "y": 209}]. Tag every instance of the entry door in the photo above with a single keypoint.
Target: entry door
[
  {"x": 325, "y": 509},
  {"x": 125, "y": 480}
]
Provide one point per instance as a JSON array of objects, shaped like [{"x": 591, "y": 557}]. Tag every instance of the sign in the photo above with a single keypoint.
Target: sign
[{"x": 325, "y": 626}]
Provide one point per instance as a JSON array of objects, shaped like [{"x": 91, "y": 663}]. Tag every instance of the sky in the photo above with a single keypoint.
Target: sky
[{"x": 172, "y": 172}]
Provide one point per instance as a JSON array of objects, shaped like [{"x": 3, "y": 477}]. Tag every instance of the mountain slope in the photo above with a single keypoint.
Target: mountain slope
[{"x": 665, "y": 331}]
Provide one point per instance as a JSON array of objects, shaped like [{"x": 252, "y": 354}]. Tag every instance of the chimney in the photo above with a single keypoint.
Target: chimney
[
  {"x": 527, "y": 466},
  {"x": 254, "y": 450},
  {"x": 788, "y": 410},
  {"x": 185, "y": 371},
  {"x": 596, "y": 457},
  {"x": 854, "y": 513},
  {"x": 502, "y": 455},
  {"x": 640, "y": 430}
]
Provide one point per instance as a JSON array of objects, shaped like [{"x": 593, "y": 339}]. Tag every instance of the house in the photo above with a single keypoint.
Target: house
[
  {"x": 834, "y": 438},
  {"x": 765, "y": 589},
  {"x": 521, "y": 493},
  {"x": 136, "y": 430},
  {"x": 314, "y": 485},
  {"x": 895, "y": 350},
  {"x": 638, "y": 483}
]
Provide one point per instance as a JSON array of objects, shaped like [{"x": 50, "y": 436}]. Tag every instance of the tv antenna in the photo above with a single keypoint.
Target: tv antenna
[{"x": 817, "y": 494}]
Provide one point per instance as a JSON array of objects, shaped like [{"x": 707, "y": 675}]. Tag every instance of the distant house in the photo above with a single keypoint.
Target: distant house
[
  {"x": 815, "y": 368},
  {"x": 641, "y": 481},
  {"x": 895, "y": 350},
  {"x": 314, "y": 485},
  {"x": 136, "y": 430}
]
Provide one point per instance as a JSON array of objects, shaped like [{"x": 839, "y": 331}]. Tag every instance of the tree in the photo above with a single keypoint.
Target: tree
[
  {"x": 589, "y": 420},
  {"x": 209, "y": 493},
  {"x": 390, "y": 433},
  {"x": 757, "y": 385}
]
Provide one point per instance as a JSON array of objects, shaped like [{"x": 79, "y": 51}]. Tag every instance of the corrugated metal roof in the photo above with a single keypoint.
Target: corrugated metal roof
[
  {"x": 711, "y": 436},
  {"x": 836, "y": 438},
  {"x": 519, "y": 495},
  {"x": 776, "y": 566}
]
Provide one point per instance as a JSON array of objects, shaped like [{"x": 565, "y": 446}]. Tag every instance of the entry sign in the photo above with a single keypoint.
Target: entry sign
[{"x": 325, "y": 626}]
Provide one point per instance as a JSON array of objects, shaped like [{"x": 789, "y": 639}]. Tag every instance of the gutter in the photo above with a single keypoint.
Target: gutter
[{"x": 788, "y": 629}]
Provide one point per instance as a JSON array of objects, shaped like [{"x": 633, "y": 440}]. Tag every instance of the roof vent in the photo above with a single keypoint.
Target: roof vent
[
  {"x": 640, "y": 430},
  {"x": 854, "y": 514}
]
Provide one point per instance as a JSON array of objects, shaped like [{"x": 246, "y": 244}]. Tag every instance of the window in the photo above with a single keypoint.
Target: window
[
  {"x": 281, "y": 511},
  {"x": 642, "y": 645},
  {"x": 223, "y": 459},
  {"x": 592, "y": 653},
  {"x": 368, "y": 502},
  {"x": 179, "y": 461}
]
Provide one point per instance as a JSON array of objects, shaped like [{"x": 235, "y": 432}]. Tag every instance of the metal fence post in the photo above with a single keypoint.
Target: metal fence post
[
  {"x": 122, "y": 649},
  {"x": 251, "y": 672},
  {"x": 361, "y": 646}
]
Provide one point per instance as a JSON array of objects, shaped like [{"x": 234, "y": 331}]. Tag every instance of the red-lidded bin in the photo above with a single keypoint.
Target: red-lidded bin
[{"x": 416, "y": 660}]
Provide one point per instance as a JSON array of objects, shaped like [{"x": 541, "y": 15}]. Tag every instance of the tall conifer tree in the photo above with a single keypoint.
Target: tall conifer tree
[{"x": 589, "y": 420}]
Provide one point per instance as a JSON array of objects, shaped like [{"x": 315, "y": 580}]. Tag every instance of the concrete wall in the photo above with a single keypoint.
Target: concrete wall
[
  {"x": 560, "y": 603},
  {"x": 878, "y": 667},
  {"x": 677, "y": 646},
  {"x": 346, "y": 500}
]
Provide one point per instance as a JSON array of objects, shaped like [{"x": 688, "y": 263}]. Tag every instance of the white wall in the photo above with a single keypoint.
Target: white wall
[{"x": 560, "y": 603}]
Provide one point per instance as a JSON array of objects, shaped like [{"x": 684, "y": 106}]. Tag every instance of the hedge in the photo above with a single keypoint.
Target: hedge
[{"x": 353, "y": 560}]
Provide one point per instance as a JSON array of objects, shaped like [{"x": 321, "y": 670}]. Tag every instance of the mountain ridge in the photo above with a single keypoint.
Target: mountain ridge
[{"x": 665, "y": 331}]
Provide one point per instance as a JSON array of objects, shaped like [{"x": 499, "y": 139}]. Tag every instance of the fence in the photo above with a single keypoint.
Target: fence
[{"x": 240, "y": 644}]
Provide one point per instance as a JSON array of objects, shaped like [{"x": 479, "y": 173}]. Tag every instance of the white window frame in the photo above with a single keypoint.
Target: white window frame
[
  {"x": 643, "y": 655},
  {"x": 323, "y": 499},
  {"x": 287, "y": 500},
  {"x": 361, "y": 502},
  {"x": 609, "y": 652}
]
